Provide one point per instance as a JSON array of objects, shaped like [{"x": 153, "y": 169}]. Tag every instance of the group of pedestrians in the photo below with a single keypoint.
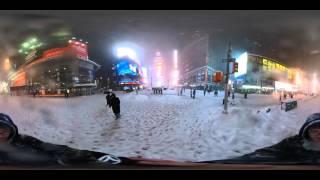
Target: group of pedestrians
[
  {"x": 113, "y": 102},
  {"x": 157, "y": 90}
]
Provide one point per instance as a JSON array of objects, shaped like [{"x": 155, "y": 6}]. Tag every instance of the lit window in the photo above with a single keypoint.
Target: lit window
[{"x": 265, "y": 62}]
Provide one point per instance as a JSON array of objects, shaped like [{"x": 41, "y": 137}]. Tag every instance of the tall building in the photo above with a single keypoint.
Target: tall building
[
  {"x": 159, "y": 78},
  {"x": 196, "y": 69}
]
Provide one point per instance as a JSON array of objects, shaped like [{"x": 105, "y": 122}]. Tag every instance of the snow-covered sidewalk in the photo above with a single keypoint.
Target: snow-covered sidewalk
[{"x": 160, "y": 126}]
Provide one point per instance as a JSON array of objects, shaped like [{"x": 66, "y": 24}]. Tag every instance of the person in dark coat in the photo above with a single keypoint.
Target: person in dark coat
[
  {"x": 303, "y": 148},
  {"x": 111, "y": 99},
  {"x": 17, "y": 149},
  {"x": 34, "y": 93},
  {"x": 246, "y": 95},
  {"x": 194, "y": 93},
  {"x": 66, "y": 93},
  {"x": 108, "y": 99},
  {"x": 116, "y": 106},
  {"x": 190, "y": 92}
]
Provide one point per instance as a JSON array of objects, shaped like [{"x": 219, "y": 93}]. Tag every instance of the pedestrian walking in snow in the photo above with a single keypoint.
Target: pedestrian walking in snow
[
  {"x": 66, "y": 93},
  {"x": 204, "y": 92},
  {"x": 34, "y": 93},
  {"x": 233, "y": 95},
  {"x": 181, "y": 92},
  {"x": 112, "y": 95},
  {"x": 115, "y": 106},
  {"x": 194, "y": 93},
  {"x": 190, "y": 92},
  {"x": 19, "y": 149},
  {"x": 108, "y": 98},
  {"x": 246, "y": 95},
  {"x": 215, "y": 92}
]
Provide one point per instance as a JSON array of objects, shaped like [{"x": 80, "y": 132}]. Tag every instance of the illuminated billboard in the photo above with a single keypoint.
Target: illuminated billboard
[
  {"x": 127, "y": 67},
  {"x": 242, "y": 61},
  {"x": 128, "y": 72}
]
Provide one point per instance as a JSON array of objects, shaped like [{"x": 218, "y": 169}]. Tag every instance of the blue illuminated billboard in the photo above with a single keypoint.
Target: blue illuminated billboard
[
  {"x": 127, "y": 71},
  {"x": 127, "y": 67}
]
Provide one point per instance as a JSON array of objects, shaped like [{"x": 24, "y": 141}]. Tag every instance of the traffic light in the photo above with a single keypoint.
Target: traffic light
[
  {"x": 218, "y": 76},
  {"x": 235, "y": 68}
]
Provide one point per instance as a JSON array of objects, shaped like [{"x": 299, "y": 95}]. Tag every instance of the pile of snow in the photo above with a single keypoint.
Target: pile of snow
[{"x": 164, "y": 126}]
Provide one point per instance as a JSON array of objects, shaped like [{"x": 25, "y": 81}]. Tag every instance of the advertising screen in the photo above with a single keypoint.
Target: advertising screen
[{"x": 126, "y": 67}]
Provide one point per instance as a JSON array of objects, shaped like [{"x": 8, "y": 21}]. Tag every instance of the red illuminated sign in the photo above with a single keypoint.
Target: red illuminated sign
[
  {"x": 20, "y": 80},
  {"x": 54, "y": 52},
  {"x": 79, "y": 49}
]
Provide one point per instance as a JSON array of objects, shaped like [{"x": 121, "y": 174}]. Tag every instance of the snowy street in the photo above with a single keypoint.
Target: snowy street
[{"x": 165, "y": 126}]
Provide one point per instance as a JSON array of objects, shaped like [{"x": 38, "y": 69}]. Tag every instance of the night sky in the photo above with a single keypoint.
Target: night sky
[{"x": 289, "y": 36}]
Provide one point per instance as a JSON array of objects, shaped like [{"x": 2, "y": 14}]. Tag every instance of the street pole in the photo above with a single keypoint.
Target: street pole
[{"x": 229, "y": 59}]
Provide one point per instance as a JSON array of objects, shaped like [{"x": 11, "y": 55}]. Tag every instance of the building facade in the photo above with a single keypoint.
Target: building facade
[
  {"x": 54, "y": 71},
  {"x": 196, "y": 67},
  {"x": 258, "y": 72}
]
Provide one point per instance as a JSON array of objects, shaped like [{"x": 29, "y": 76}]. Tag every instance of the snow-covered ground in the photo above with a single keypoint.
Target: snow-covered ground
[{"x": 160, "y": 126}]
